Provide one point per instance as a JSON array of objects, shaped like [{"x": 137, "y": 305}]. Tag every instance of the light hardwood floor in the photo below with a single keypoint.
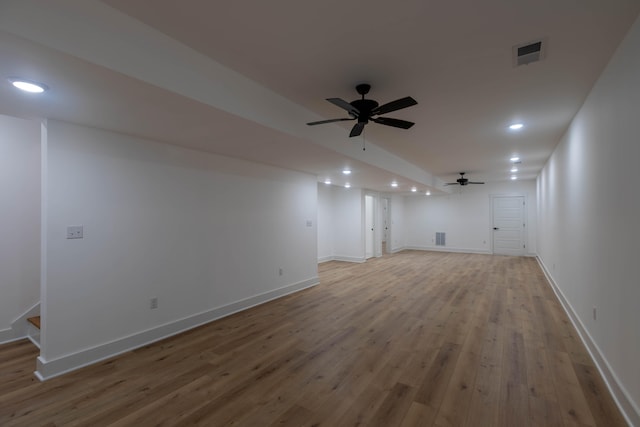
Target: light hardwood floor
[{"x": 409, "y": 339}]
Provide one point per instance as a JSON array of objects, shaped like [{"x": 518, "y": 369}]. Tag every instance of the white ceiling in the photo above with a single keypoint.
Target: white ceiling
[{"x": 242, "y": 78}]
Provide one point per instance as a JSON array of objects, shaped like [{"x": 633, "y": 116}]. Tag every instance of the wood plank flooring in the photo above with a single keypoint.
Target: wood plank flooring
[{"x": 409, "y": 339}]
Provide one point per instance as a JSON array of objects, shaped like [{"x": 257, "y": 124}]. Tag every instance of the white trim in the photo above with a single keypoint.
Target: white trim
[
  {"x": 33, "y": 334},
  {"x": 374, "y": 208},
  {"x": 19, "y": 327},
  {"x": 388, "y": 198},
  {"x": 525, "y": 219},
  {"x": 7, "y": 336},
  {"x": 377, "y": 221},
  {"x": 454, "y": 250},
  {"x": 44, "y": 194},
  {"x": 349, "y": 259},
  {"x": 447, "y": 249},
  {"x": 47, "y": 369},
  {"x": 620, "y": 395},
  {"x": 341, "y": 258}
]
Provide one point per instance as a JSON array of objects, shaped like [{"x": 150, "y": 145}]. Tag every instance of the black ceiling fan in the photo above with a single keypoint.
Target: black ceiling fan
[
  {"x": 463, "y": 181},
  {"x": 364, "y": 110}
]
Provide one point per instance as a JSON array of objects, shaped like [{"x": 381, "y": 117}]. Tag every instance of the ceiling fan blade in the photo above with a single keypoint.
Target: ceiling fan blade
[
  {"x": 330, "y": 121},
  {"x": 357, "y": 129},
  {"x": 471, "y": 182},
  {"x": 398, "y": 104},
  {"x": 396, "y": 123},
  {"x": 452, "y": 183},
  {"x": 345, "y": 106}
]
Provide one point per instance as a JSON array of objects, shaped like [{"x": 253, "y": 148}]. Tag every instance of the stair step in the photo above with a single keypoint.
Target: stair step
[{"x": 35, "y": 321}]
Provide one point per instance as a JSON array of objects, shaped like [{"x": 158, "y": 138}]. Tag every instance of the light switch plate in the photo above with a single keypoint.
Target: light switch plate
[{"x": 75, "y": 232}]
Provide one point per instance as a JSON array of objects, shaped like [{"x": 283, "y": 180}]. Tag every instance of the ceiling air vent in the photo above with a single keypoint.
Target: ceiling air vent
[{"x": 529, "y": 52}]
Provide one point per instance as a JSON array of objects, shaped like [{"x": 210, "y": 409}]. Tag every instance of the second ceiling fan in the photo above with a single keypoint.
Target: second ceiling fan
[
  {"x": 463, "y": 181},
  {"x": 363, "y": 110}
]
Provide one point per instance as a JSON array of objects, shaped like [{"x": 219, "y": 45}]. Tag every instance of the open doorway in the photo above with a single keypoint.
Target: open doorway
[{"x": 386, "y": 225}]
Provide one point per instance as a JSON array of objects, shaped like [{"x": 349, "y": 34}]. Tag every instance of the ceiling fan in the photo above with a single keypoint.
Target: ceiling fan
[
  {"x": 364, "y": 110},
  {"x": 463, "y": 181}
]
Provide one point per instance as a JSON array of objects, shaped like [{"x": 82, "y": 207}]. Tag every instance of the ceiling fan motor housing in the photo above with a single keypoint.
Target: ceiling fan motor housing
[
  {"x": 363, "y": 111},
  {"x": 365, "y": 106}
]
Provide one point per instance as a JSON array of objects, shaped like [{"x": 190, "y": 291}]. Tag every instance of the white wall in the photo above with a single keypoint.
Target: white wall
[
  {"x": 325, "y": 222},
  {"x": 19, "y": 219},
  {"x": 589, "y": 208},
  {"x": 465, "y": 216},
  {"x": 347, "y": 225},
  {"x": 397, "y": 216},
  {"x": 341, "y": 223},
  {"x": 200, "y": 232}
]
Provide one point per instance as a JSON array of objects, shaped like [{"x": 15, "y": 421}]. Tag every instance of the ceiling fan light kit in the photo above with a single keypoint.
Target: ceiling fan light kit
[{"x": 364, "y": 110}]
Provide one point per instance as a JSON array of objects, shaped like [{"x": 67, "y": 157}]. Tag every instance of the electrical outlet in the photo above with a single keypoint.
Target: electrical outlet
[
  {"x": 75, "y": 232},
  {"x": 280, "y": 272},
  {"x": 595, "y": 313},
  {"x": 309, "y": 223},
  {"x": 153, "y": 303}
]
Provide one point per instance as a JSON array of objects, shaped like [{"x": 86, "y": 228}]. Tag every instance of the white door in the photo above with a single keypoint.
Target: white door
[
  {"x": 386, "y": 239},
  {"x": 368, "y": 226},
  {"x": 508, "y": 225}
]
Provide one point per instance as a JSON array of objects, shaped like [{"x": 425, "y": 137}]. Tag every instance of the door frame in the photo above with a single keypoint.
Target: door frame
[
  {"x": 525, "y": 230},
  {"x": 388, "y": 219},
  {"x": 377, "y": 236}
]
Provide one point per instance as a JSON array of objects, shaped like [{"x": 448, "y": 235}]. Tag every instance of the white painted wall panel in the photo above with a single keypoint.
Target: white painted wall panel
[
  {"x": 465, "y": 217},
  {"x": 195, "y": 230},
  {"x": 19, "y": 218},
  {"x": 589, "y": 205},
  {"x": 398, "y": 226},
  {"x": 347, "y": 222},
  {"x": 325, "y": 222}
]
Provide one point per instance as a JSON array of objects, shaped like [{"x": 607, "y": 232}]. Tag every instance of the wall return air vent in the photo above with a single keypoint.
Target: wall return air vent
[{"x": 526, "y": 53}]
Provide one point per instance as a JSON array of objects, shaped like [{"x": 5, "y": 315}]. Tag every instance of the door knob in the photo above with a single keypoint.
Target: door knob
[{"x": 496, "y": 228}]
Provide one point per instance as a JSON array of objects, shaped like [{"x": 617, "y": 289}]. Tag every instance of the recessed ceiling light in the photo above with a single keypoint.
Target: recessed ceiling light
[
  {"x": 327, "y": 181},
  {"x": 516, "y": 126},
  {"x": 347, "y": 171},
  {"x": 28, "y": 85},
  {"x": 414, "y": 189},
  {"x": 515, "y": 159},
  {"x": 394, "y": 184},
  {"x": 514, "y": 169},
  {"x": 428, "y": 193},
  {"x": 513, "y": 177},
  {"x": 347, "y": 185}
]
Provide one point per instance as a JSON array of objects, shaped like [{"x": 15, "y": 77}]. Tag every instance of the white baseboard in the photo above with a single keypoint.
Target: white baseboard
[
  {"x": 8, "y": 335},
  {"x": 341, "y": 258},
  {"x": 47, "y": 369},
  {"x": 34, "y": 339},
  {"x": 19, "y": 327},
  {"x": 447, "y": 249},
  {"x": 629, "y": 409}
]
